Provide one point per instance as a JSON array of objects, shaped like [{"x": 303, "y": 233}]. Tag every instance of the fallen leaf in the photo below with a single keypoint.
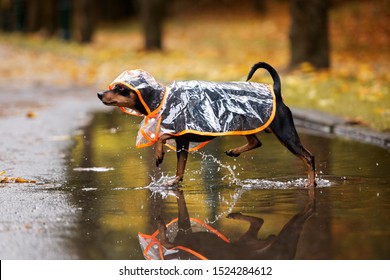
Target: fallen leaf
[
  {"x": 5, "y": 179},
  {"x": 31, "y": 115}
]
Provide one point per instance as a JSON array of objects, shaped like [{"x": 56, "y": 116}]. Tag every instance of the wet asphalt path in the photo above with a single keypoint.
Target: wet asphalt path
[{"x": 36, "y": 126}]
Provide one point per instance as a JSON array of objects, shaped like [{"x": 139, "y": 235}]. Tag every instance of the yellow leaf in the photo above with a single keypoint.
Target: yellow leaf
[{"x": 31, "y": 115}]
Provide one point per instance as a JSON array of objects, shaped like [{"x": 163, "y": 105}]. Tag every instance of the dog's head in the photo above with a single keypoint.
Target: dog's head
[
  {"x": 135, "y": 92},
  {"x": 122, "y": 96}
]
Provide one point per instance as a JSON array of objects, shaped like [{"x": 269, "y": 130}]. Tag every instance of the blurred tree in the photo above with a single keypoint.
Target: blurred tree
[
  {"x": 64, "y": 9},
  {"x": 122, "y": 10},
  {"x": 20, "y": 14},
  {"x": 84, "y": 20},
  {"x": 152, "y": 16},
  {"x": 49, "y": 17},
  {"x": 6, "y": 15},
  {"x": 260, "y": 6},
  {"x": 309, "y": 38},
  {"x": 32, "y": 20}
]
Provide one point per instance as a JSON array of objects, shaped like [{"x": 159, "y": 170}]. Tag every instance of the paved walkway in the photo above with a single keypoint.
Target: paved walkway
[{"x": 324, "y": 123}]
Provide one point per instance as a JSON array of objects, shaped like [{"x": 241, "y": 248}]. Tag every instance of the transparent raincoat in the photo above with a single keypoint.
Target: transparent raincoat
[
  {"x": 198, "y": 107},
  {"x": 154, "y": 250}
]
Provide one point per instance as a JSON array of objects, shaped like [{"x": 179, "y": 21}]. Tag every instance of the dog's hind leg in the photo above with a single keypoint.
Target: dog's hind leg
[
  {"x": 284, "y": 129},
  {"x": 253, "y": 142},
  {"x": 184, "y": 221},
  {"x": 254, "y": 227}
]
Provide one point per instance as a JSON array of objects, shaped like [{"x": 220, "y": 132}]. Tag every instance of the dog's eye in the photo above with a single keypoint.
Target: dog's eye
[
  {"x": 122, "y": 90},
  {"x": 119, "y": 88}
]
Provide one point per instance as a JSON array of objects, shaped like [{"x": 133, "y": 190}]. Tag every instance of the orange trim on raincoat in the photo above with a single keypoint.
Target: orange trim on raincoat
[
  {"x": 147, "y": 136},
  {"x": 191, "y": 149},
  {"x": 155, "y": 241},
  {"x": 155, "y": 111},
  {"x": 150, "y": 115}
]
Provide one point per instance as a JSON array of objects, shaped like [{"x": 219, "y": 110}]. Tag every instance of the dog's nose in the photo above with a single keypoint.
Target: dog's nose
[{"x": 100, "y": 95}]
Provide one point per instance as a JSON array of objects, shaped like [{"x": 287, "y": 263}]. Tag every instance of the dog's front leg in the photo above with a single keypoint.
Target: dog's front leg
[
  {"x": 162, "y": 228},
  {"x": 182, "y": 146},
  {"x": 159, "y": 152}
]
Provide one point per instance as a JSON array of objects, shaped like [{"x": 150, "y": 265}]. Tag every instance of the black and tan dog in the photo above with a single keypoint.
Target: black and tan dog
[{"x": 198, "y": 111}]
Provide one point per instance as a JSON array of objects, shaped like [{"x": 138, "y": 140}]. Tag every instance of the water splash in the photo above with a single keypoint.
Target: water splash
[
  {"x": 231, "y": 204},
  {"x": 231, "y": 174},
  {"x": 279, "y": 184},
  {"x": 157, "y": 185},
  {"x": 161, "y": 186},
  {"x": 93, "y": 169}
]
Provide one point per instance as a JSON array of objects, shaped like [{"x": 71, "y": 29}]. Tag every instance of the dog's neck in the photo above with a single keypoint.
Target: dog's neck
[{"x": 141, "y": 108}]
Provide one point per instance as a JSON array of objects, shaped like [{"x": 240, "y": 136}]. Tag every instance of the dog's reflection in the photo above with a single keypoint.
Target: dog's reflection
[{"x": 188, "y": 238}]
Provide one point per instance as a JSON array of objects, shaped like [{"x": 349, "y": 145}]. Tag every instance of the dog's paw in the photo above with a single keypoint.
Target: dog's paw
[
  {"x": 232, "y": 153},
  {"x": 159, "y": 158},
  {"x": 175, "y": 182},
  {"x": 310, "y": 185}
]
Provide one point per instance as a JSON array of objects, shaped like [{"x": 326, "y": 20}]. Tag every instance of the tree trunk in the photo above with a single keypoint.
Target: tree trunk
[
  {"x": 20, "y": 15},
  {"x": 49, "y": 17},
  {"x": 309, "y": 38},
  {"x": 84, "y": 18},
  {"x": 6, "y": 16},
  {"x": 32, "y": 21},
  {"x": 152, "y": 13},
  {"x": 64, "y": 10}
]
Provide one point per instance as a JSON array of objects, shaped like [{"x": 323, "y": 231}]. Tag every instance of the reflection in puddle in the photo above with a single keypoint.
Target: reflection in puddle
[
  {"x": 93, "y": 169},
  {"x": 188, "y": 238},
  {"x": 117, "y": 192}
]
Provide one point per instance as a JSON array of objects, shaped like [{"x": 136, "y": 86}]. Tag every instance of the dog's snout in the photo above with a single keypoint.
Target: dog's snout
[{"x": 100, "y": 95}]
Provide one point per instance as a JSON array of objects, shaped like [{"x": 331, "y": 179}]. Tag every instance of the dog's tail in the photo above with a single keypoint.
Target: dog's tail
[{"x": 274, "y": 75}]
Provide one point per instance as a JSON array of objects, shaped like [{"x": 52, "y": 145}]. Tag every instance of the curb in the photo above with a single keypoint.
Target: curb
[{"x": 325, "y": 123}]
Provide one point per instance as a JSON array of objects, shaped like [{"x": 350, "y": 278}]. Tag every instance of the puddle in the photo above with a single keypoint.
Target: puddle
[
  {"x": 118, "y": 193},
  {"x": 93, "y": 169}
]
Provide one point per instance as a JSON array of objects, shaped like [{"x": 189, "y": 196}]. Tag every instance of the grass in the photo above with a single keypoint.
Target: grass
[{"x": 223, "y": 48}]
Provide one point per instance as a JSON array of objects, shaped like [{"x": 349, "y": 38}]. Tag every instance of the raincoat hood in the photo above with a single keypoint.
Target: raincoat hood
[
  {"x": 198, "y": 107},
  {"x": 149, "y": 91}
]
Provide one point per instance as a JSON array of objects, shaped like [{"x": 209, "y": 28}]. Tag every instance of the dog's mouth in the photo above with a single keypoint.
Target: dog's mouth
[
  {"x": 111, "y": 103},
  {"x": 101, "y": 96}
]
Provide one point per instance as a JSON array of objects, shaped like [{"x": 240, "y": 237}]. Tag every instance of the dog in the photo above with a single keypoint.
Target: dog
[
  {"x": 185, "y": 240},
  {"x": 196, "y": 112}
]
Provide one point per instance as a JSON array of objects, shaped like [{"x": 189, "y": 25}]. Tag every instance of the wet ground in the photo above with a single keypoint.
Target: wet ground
[
  {"x": 37, "y": 125},
  {"x": 93, "y": 198}
]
